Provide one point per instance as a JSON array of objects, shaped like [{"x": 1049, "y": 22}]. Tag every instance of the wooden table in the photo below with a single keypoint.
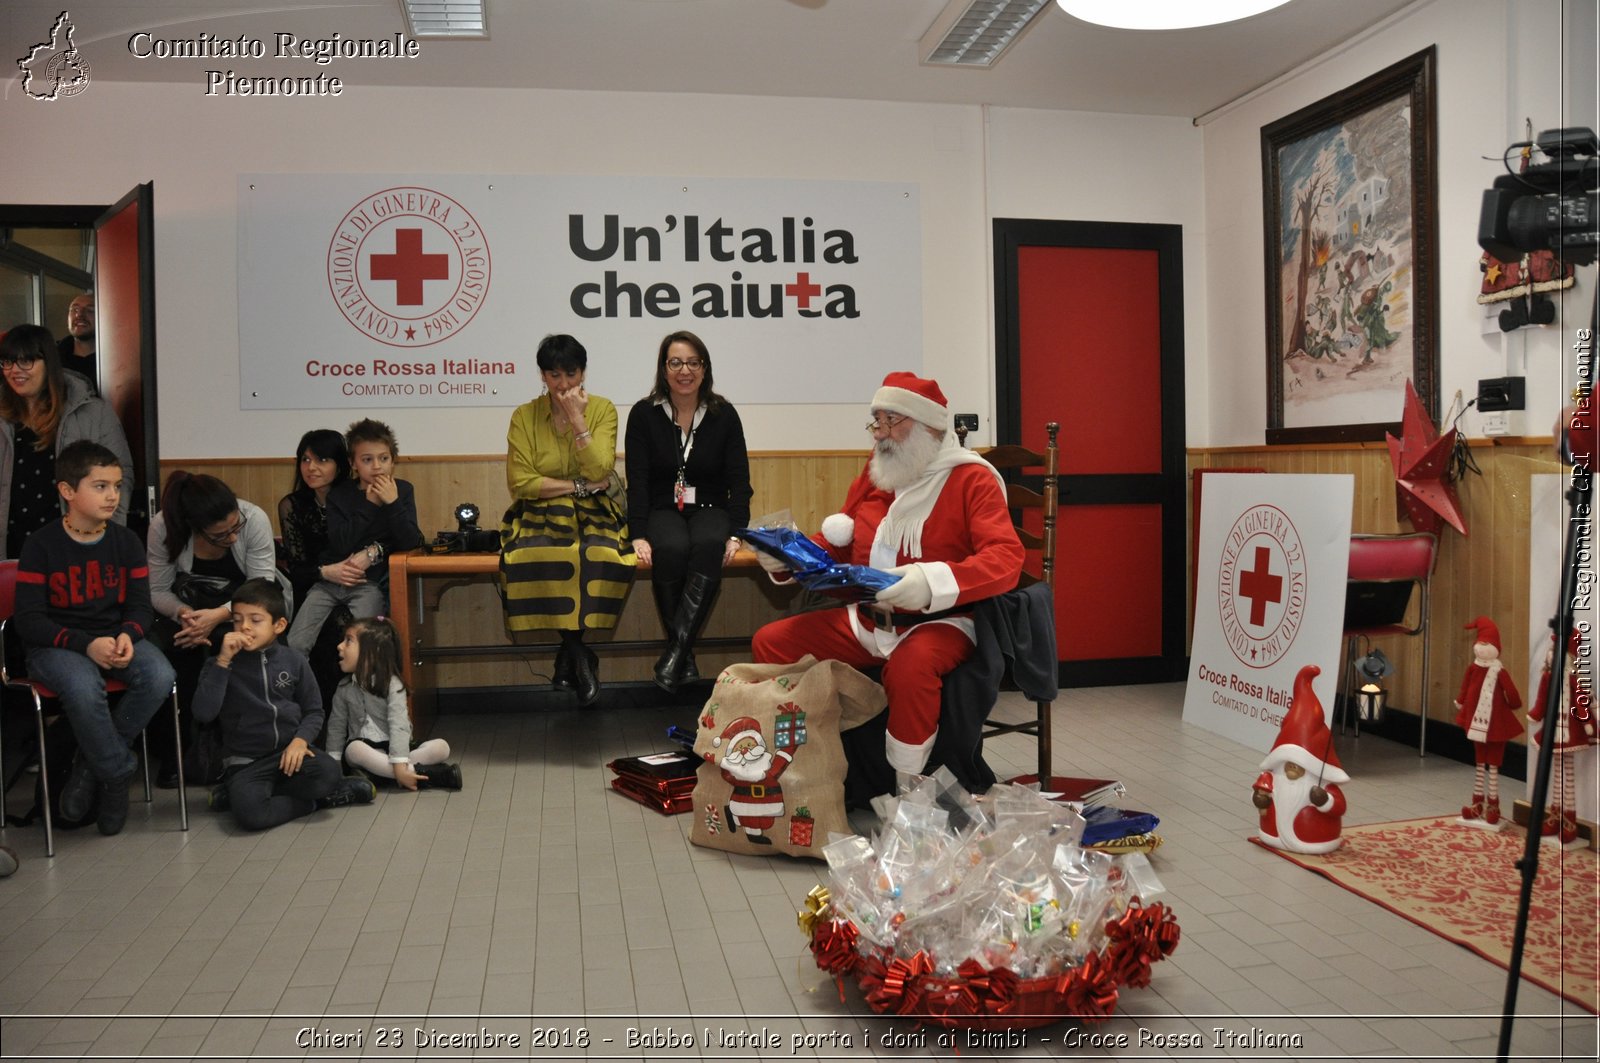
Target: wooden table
[{"x": 410, "y": 599}]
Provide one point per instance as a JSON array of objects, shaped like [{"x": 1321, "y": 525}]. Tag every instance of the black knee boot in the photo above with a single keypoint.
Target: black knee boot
[{"x": 693, "y": 608}]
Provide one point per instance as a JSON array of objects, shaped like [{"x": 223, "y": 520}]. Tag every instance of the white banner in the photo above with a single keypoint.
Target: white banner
[
  {"x": 1548, "y": 519},
  {"x": 434, "y": 290},
  {"x": 1273, "y": 561}
]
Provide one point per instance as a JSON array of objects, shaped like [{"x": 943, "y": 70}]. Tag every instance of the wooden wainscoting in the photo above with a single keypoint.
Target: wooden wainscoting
[
  {"x": 810, "y": 484},
  {"x": 1485, "y": 573}
]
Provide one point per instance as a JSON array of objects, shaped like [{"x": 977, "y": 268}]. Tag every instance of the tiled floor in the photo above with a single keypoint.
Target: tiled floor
[{"x": 536, "y": 891}]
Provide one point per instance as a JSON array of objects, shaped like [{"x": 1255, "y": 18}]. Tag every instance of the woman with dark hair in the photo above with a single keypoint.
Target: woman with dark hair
[
  {"x": 565, "y": 559},
  {"x": 43, "y": 408},
  {"x": 688, "y": 488},
  {"x": 202, "y": 545},
  {"x": 321, "y": 460}
]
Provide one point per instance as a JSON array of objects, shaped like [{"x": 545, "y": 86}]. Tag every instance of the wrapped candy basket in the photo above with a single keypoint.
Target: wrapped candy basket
[{"x": 986, "y": 914}]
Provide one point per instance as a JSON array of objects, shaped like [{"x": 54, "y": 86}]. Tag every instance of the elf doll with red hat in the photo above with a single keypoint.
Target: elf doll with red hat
[
  {"x": 1574, "y": 730},
  {"x": 934, "y": 514},
  {"x": 1297, "y": 792},
  {"x": 1486, "y": 710}
]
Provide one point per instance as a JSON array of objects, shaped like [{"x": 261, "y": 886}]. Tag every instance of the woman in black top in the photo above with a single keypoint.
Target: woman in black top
[{"x": 688, "y": 488}]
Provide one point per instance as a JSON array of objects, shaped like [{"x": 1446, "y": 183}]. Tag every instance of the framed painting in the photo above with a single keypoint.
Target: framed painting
[{"x": 1351, "y": 245}]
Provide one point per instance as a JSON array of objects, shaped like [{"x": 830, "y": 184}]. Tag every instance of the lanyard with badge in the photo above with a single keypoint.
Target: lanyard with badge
[{"x": 682, "y": 490}]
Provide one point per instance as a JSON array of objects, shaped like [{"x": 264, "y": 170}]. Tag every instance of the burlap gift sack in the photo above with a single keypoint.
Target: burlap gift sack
[{"x": 773, "y": 773}]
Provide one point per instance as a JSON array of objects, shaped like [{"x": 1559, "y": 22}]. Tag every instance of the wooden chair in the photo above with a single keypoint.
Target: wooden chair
[
  {"x": 1017, "y": 463},
  {"x": 40, "y": 694},
  {"x": 1386, "y": 572}
]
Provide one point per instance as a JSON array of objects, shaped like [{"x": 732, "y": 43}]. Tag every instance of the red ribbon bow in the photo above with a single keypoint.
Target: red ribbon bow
[
  {"x": 1089, "y": 991},
  {"x": 834, "y": 946},
  {"x": 1140, "y": 937},
  {"x": 897, "y": 989}
]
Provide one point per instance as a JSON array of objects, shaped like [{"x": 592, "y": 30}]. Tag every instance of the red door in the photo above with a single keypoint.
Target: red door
[{"x": 1090, "y": 336}]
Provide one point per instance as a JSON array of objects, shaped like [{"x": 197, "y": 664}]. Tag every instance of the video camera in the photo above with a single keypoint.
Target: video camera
[{"x": 1550, "y": 206}]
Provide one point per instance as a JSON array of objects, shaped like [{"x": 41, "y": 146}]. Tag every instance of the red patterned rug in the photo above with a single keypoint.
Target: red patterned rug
[{"x": 1462, "y": 883}]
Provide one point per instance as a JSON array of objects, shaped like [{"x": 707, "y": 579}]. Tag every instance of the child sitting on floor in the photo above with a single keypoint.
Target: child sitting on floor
[
  {"x": 371, "y": 721},
  {"x": 271, "y": 709}
]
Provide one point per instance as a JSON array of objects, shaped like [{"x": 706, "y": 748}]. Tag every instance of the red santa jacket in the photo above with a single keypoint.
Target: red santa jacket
[
  {"x": 969, "y": 530},
  {"x": 1504, "y": 702}
]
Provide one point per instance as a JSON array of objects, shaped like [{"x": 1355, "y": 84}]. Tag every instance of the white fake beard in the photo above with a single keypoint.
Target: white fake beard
[
  {"x": 896, "y": 466},
  {"x": 1289, "y": 796},
  {"x": 752, "y": 768}
]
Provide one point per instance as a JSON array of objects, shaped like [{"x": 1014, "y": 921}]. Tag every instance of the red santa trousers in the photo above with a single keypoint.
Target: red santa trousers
[{"x": 913, "y": 673}]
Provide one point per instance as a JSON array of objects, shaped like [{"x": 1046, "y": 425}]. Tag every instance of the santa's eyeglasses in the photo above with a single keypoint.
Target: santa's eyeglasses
[{"x": 886, "y": 422}]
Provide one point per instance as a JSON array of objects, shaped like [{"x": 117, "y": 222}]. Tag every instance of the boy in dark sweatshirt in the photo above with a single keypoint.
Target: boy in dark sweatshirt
[
  {"x": 267, "y": 699},
  {"x": 83, "y": 610}
]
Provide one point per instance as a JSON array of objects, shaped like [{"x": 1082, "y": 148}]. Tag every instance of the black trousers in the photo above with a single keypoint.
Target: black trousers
[{"x": 689, "y": 540}]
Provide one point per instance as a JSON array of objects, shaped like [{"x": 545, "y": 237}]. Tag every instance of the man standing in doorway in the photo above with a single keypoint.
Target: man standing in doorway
[{"x": 77, "y": 348}]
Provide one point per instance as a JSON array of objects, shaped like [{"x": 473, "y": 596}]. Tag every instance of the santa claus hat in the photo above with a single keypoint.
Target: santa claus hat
[
  {"x": 914, "y": 396},
  {"x": 1304, "y": 738},
  {"x": 1487, "y": 631},
  {"x": 736, "y": 730}
]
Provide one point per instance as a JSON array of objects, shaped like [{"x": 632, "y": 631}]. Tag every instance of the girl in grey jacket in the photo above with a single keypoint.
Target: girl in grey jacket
[{"x": 371, "y": 719}]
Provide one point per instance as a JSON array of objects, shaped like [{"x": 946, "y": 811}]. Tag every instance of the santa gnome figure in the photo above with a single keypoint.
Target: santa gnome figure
[
  {"x": 752, "y": 770},
  {"x": 1573, "y": 730},
  {"x": 1487, "y": 710},
  {"x": 1297, "y": 792}
]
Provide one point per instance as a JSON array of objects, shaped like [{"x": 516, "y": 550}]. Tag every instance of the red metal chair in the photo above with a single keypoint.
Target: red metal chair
[
  {"x": 1383, "y": 571},
  {"x": 40, "y": 694}
]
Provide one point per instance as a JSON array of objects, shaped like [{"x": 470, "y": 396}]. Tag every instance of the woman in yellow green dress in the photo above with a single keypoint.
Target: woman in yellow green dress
[{"x": 566, "y": 560}]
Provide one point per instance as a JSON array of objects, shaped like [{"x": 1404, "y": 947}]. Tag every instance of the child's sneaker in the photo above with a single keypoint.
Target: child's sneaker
[
  {"x": 219, "y": 801},
  {"x": 77, "y": 796},
  {"x": 113, "y": 814},
  {"x": 350, "y": 791}
]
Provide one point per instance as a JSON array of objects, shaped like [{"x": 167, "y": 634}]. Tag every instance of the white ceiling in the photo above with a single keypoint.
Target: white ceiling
[{"x": 852, "y": 49}]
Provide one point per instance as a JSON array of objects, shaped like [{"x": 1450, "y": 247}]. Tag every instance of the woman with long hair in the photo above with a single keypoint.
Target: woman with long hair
[
  {"x": 202, "y": 545},
  {"x": 43, "y": 408},
  {"x": 688, "y": 489}
]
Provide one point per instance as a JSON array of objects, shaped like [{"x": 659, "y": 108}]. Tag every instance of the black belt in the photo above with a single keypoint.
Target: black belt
[{"x": 880, "y": 619}]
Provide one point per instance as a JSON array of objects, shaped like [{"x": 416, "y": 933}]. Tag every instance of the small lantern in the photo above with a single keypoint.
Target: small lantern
[{"x": 1370, "y": 699}]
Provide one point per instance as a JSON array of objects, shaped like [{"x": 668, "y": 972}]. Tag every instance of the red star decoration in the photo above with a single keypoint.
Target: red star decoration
[{"x": 1421, "y": 461}]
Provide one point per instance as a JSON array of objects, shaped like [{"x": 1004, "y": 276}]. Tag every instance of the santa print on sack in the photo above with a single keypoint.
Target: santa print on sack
[
  {"x": 1486, "y": 710},
  {"x": 1297, "y": 791},
  {"x": 753, "y": 771}
]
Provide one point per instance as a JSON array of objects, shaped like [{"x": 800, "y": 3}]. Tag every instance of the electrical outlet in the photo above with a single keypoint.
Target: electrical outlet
[{"x": 1496, "y": 424}]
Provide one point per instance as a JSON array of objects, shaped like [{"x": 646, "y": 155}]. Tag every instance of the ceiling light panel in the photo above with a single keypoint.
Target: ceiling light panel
[
  {"x": 980, "y": 32},
  {"x": 446, "y": 18}
]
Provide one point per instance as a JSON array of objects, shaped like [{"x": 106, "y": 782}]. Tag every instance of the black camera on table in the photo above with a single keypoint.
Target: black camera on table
[
  {"x": 468, "y": 538},
  {"x": 1550, "y": 206}
]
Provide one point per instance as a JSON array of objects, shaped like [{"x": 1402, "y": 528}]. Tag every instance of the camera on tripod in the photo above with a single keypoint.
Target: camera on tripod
[{"x": 1550, "y": 206}]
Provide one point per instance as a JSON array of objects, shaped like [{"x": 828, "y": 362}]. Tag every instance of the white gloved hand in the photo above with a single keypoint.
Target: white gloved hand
[
  {"x": 773, "y": 566},
  {"x": 910, "y": 593}
]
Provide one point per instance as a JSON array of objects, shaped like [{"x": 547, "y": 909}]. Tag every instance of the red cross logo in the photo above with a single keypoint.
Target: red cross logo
[
  {"x": 408, "y": 267},
  {"x": 1260, "y": 586},
  {"x": 802, "y": 289}
]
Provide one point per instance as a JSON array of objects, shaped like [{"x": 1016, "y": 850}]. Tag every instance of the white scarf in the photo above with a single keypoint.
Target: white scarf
[
  {"x": 1478, "y": 730},
  {"x": 902, "y": 524}
]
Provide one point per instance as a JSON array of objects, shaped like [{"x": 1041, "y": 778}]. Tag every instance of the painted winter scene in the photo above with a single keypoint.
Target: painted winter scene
[{"x": 1346, "y": 272}]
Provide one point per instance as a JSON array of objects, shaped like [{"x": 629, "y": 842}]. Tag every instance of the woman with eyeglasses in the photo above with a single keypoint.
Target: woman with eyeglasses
[
  {"x": 42, "y": 409},
  {"x": 202, "y": 545},
  {"x": 688, "y": 489},
  {"x": 566, "y": 562}
]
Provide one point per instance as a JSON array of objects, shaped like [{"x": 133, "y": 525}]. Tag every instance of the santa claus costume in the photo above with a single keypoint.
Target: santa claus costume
[
  {"x": 948, "y": 534},
  {"x": 1486, "y": 710},
  {"x": 1574, "y": 729},
  {"x": 753, "y": 772},
  {"x": 1297, "y": 792}
]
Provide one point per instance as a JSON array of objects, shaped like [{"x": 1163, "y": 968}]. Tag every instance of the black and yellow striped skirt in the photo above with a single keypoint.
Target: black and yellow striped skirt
[{"x": 565, "y": 563}]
